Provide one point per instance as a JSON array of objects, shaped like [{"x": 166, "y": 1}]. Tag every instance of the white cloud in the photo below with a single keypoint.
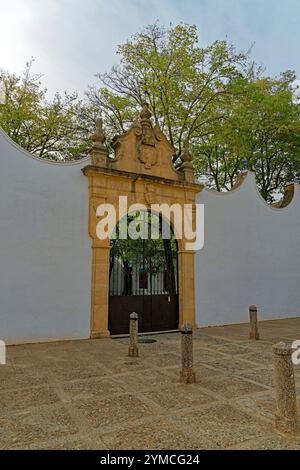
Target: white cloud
[{"x": 72, "y": 40}]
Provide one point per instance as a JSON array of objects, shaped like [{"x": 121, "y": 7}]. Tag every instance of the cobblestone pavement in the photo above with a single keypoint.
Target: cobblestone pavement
[{"x": 89, "y": 394}]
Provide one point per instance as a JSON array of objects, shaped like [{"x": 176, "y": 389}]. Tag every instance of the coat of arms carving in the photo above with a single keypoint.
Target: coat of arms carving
[{"x": 147, "y": 150}]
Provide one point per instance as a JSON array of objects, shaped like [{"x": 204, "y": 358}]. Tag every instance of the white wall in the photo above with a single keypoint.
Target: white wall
[
  {"x": 251, "y": 255},
  {"x": 251, "y": 252},
  {"x": 45, "y": 250}
]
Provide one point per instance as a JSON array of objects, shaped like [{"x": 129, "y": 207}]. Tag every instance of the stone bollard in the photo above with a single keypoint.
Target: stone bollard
[
  {"x": 187, "y": 374},
  {"x": 2, "y": 352},
  {"x": 133, "y": 327},
  {"x": 286, "y": 401},
  {"x": 253, "y": 322}
]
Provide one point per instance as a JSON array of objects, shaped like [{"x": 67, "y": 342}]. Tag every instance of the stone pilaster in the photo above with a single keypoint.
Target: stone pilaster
[
  {"x": 186, "y": 261},
  {"x": 100, "y": 291}
]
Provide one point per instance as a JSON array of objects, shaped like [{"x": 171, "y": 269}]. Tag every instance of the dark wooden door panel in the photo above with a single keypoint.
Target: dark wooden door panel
[
  {"x": 120, "y": 307},
  {"x": 156, "y": 312}
]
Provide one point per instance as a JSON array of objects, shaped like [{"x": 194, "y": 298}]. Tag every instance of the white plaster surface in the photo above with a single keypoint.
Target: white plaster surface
[
  {"x": 251, "y": 252},
  {"x": 45, "y": 250},
  {"x": 251, "y": 255}
]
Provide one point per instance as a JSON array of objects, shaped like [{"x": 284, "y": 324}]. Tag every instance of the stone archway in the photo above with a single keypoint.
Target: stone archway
[
  {"x": 144, "y": 276},
  {"x": 142, "y": 170}
]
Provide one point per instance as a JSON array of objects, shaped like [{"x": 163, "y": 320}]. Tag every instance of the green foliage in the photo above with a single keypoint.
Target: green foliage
[
  {"x": 182, "y": 82},
  {"x": 129, "y": 249},
  {"x": 56, "y": 129},
  {"x": 213, "y": 97},
  {"x": 260, "y": 124}
]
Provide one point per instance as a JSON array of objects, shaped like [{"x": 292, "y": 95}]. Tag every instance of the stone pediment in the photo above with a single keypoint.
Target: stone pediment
[{"x": 144, "y": 149}]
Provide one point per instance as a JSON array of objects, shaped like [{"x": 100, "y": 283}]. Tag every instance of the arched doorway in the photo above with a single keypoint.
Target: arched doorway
[
  {"x": 142, "y": 171},
  {"x": 143, "y": 277}
]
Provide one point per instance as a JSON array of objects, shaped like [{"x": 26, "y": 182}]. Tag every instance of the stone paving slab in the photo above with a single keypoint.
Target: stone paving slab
[
  {"x": 223, "y": 425},
  {"x": 35, "y": 424},
  {"x": 88, "y": 394},
  {"x": 114, "y": 409}
]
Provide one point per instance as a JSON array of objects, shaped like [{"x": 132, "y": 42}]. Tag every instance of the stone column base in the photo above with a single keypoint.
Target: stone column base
[{"x": 100, "y": 334}]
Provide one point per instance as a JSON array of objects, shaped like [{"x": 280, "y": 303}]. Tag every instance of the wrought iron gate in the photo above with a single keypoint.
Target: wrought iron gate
[{"x": 144, "y": 279}]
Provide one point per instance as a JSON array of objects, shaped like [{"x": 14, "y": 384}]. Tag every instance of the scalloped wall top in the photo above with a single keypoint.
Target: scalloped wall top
[
  {"x": 4, "y": 137},
  {"x": 246, "y": 181},
  {"x": 45, "y": 269}
]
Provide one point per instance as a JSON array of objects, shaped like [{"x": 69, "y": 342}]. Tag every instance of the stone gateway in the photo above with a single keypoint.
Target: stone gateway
[
  {"x": 141, "y": 170},
  {"x": 59, "y": 281}
]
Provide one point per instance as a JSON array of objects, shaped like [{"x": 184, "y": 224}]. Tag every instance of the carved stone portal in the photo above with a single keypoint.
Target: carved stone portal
[
  {"x": 143, "y": 171},
  {"x": 144, "y": 149}
]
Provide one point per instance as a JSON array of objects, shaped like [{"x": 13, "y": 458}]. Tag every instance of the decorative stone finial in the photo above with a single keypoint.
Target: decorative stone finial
[
  {"x": 145, "y": 114},
  {"x": 187, "y": 167},
  {"x": 148, "y": 137},
  {"x": 146, "y": 146},
  {"x": 98, "y": 151},
  {"x": 98, "y": 137},
  {"x": 186, "y": 157}
]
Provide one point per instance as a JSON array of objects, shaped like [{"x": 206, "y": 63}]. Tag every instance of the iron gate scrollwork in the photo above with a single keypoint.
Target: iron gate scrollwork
[{"x": 144, "y": 278}]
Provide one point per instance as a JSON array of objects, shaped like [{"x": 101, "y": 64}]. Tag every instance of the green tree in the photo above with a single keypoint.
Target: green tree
[
  {"x": 181, "y": 81},
  {"x": 213, "y": 97},
  {"x": 261, "y": 125},
  {"x": 268, "y": 117},
  {"x": 56, "y": 129}
]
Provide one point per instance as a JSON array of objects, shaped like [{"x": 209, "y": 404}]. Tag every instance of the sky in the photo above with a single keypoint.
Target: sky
[{"x": 72, "y": 40}]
